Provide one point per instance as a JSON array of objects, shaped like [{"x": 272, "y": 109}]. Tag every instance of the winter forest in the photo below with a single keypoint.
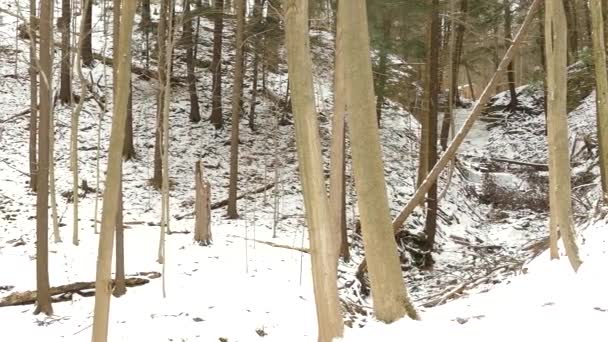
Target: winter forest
[{"x": 303, "y": 170}]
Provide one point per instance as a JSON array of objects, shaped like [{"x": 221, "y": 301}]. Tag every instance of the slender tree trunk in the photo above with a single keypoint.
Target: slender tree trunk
[
  {"x": 510, "y": 71},
  {"x": 195, "y": 115},
  {"x": 163, "y": 32},
  {"x": 273, "y": 36},
  {"x": 43, "y": 298},
  {"x": 601, "y": 79},
  {"x": 113, "y": 184},
  {"x": 128, "y": 150},
  {"x": 572, "y": 35},
  {"x": 323, "y": 235},
  {"x": 470, "y": 82},
  {"x": 65, "y": 90},
  {"x": 33, "y": 97},
  {"x": 337, "y": 179},
  {"x": 236, "y": 109},
  {"x": 390, "y": 297},
  {"x": 556, "y": 31},
  {"x": 430, "y": 228},
  {"x": 256, "y": 31},
  {"x": 216, "y": 118},
  {"x": 87, "y": 46},
  {"x": 383, "y": 60},
  {"x": 120, "y": 287}
]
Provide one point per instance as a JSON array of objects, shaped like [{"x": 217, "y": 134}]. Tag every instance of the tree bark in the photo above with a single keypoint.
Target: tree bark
[
  {"x": 195, "y": 115},
  {"x": 323, "y": 235},
  {"x": 232, "y": 211},
  {"x": 216, "y": 118},
  {"x": 157, "y": 181},
  {"x": 33, "y": 70},
  {"x": 556, "y": 31},
  {"x": 510, "y": 70},
  {"x": 43, "y": 297},
  {"x": 601, "y": 79},
  {"x": 87, "y": 46},
  {"x": 110, "y": 204},
  {"x": 383, "y": 60},
  {"x": 202, "y": 222},
  {"x": 65, "y": 90},
  {"x": 430, "y": 228},
  {"x": 390, "y": 297}
]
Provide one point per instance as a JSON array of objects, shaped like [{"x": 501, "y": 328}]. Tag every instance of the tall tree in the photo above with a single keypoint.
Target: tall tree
[
  {"x": 87, "y": 46},
  {"x": 323, "y": 235},
  {"x": 432, "y": 86},
  {"x": 390, "y": 297},
  {"x": 236, "y": 108},
  {"x": 195, "y": 115},
  {"x": 572, "y": 34},
  {"x": 65, "y": 89},
  {"x": 163, "y": 33},
  {"x": 510, "y": 69},
  {"x": 43, "y": 298},
  {"x": 385, "y": 45},
  {"x": 33, "y": 96},
  {"x": 111, "y": 193},
  {"x": 256, "y": 33},
  {"x": 556, "y": 31},
  {"x": 216, "y": 118},
  {"x": 601, "y": 79}
]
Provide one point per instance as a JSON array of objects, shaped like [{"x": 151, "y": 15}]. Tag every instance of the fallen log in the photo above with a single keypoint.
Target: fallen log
[
  {"x": 64, "y": 292},
  {"x": 272, "y": 244},
  {"x": 535, "y": 166},
  {"x": 224, "y": 202}
]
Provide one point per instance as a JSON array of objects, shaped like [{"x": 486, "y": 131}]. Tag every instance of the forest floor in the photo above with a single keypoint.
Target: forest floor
[{"x": 242, "y": 289}]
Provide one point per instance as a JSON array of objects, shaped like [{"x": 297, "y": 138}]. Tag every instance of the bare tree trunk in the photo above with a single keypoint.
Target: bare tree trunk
[
  {"x": 216, "y": 118},
  {"x": 572, "y": 35},
  {"x": 323, "y": 235},
  {"x": 510, "y": 70},
  {"x": 390, "y": 297},
  {"x": 236, "y": 109},
  {"x": 120, "y": 287},
  {"x": 43, "y": 298},
  {"x": 337, "y": 181},
  {"x": 128, "y": 150},
  {"x": 256, "y": 31},
  {"x": 33, "y": 97},
  {"x": 383, "y": 59},
  {"x": 556, "y": 31},
  {"x": 601, "y": 79},
  {"x": 195, "y": 115},
  {"x": 65, "y": 90},
  {"x": 113, "y": 184},
  {"x": 202, "y": 222},
  {"x": 163, "y": 32},
  {"x": 430, "y": 227},
  {"x": 87, "y": 48}
]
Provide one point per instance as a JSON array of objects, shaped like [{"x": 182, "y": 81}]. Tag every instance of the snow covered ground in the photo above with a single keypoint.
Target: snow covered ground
[{"x": 243, "y": 290}]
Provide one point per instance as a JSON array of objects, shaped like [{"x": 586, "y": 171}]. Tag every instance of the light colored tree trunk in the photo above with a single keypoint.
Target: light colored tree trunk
[
  {"x": 556, "y": 31},
  {"x": 601, "y": 80},
  {"x": 236, "y": 109},
  {"x": 202, "y": 211},
  {"x": 65, "y": 89},
  {"x": 43, "y": 298},
  {"x": 323, "y": 235},
  {"x": 110, "y": 204},
  {"x": 391, "y": 301},
  {"x": 163, "y": 33}
]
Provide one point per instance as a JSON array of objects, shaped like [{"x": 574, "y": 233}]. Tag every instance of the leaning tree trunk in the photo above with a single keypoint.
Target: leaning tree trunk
[
  {"x": 65, "y": 89},
  {"x": 323, "y": 234},
  {"x": 601, "y": 79},
  {"x": 33, "y": 97},
  {"x": 110, "y": 203},
  {"x": 557, "y": 130},
  {"x": 390, "y": 297},
  {"x": 43, "y": 298},
  {"x": 236, "y": 109},
  {"x": 216, "y": 118}
]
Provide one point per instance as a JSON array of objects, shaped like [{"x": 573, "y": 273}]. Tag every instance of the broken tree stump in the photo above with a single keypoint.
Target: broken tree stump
[{"x": 202, "y": 207}]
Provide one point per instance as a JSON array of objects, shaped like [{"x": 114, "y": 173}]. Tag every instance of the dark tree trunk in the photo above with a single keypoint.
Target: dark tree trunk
[
  {"x": 188, "y": 39},
  {"x": 120, "y": 287},
  {"x": 217, "y": 119},
  {"x": 510, "y": 70},
  {"x": 256, "y": 31},
  {"x": 572, "y": 22},
  {"x": 430, "y": 228},
  {"x": 381, "y": 75},
  {"x": 163, "y": 29},
  {"x": 65, "y": 91},
  {"x": 87, "y": 48},
  {"x": 128, "y": 150}
]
